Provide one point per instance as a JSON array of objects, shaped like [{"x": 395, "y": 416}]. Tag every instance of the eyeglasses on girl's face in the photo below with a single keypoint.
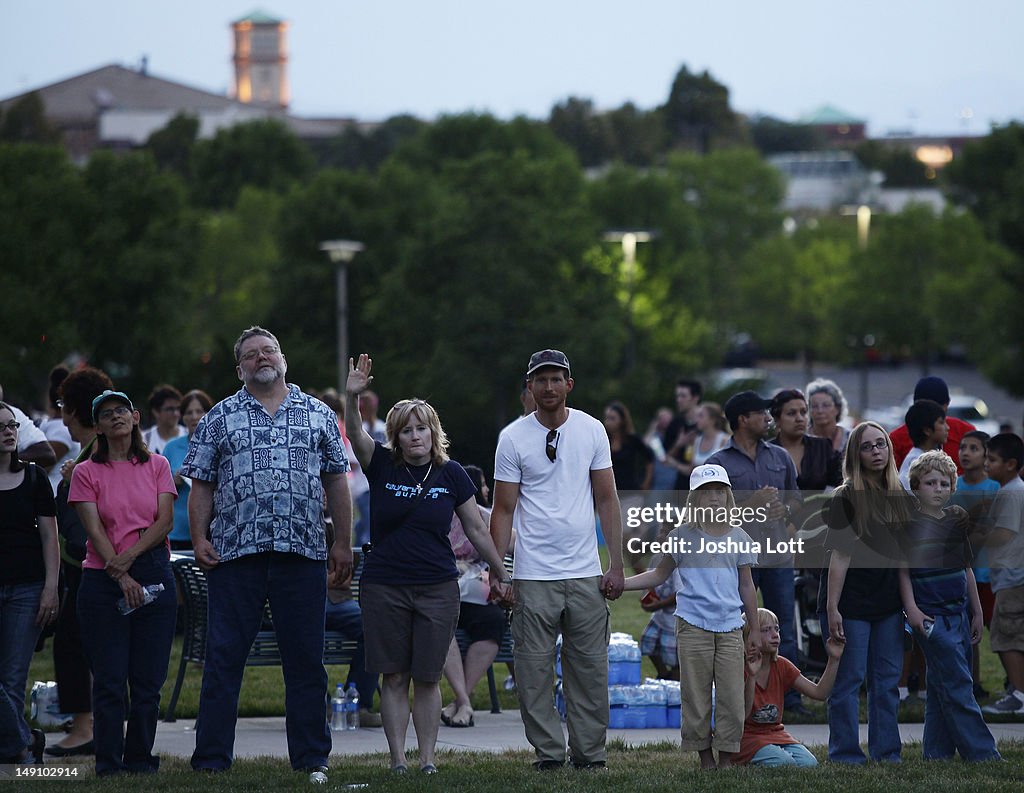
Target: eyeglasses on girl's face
[{"x": 881, "y": 444}]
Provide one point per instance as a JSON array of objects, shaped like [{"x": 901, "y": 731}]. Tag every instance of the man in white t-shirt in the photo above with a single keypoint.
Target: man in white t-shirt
[{"x": 553, "y": 470}]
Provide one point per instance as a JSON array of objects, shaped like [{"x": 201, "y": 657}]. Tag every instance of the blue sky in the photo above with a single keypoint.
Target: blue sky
[{"x": 899, "y": 64}]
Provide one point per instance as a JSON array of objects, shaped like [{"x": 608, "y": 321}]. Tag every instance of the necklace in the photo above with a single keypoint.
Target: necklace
[{"x": 419, "y": 484}]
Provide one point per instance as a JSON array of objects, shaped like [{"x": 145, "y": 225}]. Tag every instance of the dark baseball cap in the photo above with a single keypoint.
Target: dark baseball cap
[
  {"x": 933, "y": 388},
  {"x": 547, "y": 358},
  {"x": 745, "y": 402}
]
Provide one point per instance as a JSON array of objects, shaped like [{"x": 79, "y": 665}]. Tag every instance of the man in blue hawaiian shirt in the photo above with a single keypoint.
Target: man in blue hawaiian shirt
[{"x": 261, "y": 462}]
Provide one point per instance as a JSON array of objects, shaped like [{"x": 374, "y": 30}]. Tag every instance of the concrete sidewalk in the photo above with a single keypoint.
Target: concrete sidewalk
[{"x": 492, "y": 733}]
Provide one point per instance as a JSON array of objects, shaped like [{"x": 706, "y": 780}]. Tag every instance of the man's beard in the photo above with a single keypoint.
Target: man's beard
[{"x": 266, "y": 376}]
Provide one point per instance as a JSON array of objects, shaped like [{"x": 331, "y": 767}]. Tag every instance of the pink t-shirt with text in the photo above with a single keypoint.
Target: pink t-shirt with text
[{"x": 125, "y": 494}]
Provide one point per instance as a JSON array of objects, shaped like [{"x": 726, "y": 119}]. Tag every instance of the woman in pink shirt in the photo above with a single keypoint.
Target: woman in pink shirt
[{"x": 125, "y": 498}]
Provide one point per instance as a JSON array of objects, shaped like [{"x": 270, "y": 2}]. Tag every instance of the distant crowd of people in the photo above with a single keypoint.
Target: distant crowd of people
[{"x": 271, "y": 489}]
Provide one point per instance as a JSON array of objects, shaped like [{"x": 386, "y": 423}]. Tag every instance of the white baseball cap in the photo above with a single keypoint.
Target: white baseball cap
[{"x": 705, "y": 474}]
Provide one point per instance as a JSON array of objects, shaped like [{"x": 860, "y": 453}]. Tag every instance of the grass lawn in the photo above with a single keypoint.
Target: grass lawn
[
  {"x": 263, "y": 687},
  {"x": 659, "y": 767}
]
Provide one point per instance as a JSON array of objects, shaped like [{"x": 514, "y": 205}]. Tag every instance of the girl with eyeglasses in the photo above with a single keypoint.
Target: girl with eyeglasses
[
  {"x": 858, "y": 596},
  {"x": 29, "y": 566}
]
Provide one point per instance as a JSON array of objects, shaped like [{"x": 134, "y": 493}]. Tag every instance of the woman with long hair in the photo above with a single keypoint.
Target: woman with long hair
[
  {"x": 633, "y": 468},
  {"x": 712, "y": 432},
  {"x": 29, "y": 566},
  {"x": 409, "y": 591},
  {"x": 859, "y": 599},
  {"x": 194, "y": 405},
  {"x": 125, "y": 497}
]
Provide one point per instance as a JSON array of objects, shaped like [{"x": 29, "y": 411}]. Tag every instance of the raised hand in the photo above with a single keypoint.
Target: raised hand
[{"x": 359, "y": 377}]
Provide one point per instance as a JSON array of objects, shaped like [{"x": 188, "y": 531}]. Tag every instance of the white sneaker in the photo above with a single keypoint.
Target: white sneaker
[
  {"x": 319, "y": 776},
  {"x": 510, "y": 683},
  {"x": 1012, "y": 704}
]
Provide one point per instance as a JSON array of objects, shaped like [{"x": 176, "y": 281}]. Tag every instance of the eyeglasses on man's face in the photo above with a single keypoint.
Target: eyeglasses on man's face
[
  {"x": 551, "y": 445},
  {"x": 120, "y": 410},
  {"x": 881, "y": 444},
  {"x": 269, "y": 351}
]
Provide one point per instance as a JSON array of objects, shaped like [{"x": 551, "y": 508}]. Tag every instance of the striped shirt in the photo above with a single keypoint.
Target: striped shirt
[{"x": 937, "y": 552}]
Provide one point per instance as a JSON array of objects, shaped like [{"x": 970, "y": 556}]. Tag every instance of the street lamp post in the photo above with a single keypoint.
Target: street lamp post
[
  {"x": 341, "y": 253},
  {"x": 629, "y": 240}
]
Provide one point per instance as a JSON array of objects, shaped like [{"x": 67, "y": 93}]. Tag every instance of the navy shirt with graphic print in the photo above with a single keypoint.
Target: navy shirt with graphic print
[{"x": 418, "y": 551}]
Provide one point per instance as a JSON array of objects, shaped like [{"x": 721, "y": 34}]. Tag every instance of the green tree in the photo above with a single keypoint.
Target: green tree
[
  {"x": 25, "y": 122},
  {"x": 576, "y": 124},
  {"x": 263, "y": 154},
  {"x": 637, "y": 137},
  {"x": 138, "y": 254},
  {"x": 44, "y": 215},
  {"x": 697, "y": 114},
  {"x": 789, "y": 289},
  {"x": 357, "y": 148},
  {"x": 773, "y": 136},
  {"x": 481, "y": 251},
  {"x": 988, "y": 178},
  {"x": 172, "y": 146},
  {"x": 918, "y": 272},
  {"x": 900, "y": 166}
]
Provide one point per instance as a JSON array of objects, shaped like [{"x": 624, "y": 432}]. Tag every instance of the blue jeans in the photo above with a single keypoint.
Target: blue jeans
[
  {"x": 297, "y": 590},
  {"x": 19, "y": 604},
  {"x": 789, "y": 754},
  {"x": 874, "y": 652},
  {"x": 130, "y": 650},
  {"x": 952, "y": 719},
  {"x": 347, "y": 619},
  {"x": 778, "y": 593}
]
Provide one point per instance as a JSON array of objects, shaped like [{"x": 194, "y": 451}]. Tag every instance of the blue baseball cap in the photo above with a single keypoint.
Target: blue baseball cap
[{"x": 120, "y": 396}]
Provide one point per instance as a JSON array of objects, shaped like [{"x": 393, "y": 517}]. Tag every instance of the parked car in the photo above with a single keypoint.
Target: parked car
[{"x": 966, "y": 407}]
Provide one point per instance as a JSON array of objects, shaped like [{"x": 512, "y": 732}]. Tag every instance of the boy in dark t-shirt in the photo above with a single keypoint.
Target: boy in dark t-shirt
[{"x": 936, "y": 585}]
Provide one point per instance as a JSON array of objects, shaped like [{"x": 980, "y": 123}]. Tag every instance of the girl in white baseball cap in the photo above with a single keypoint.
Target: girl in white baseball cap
[{"x": 713, "y": 558}]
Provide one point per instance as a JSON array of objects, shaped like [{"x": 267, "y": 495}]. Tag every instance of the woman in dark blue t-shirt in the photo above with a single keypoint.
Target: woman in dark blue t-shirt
[{"x": 409, "y": 592}]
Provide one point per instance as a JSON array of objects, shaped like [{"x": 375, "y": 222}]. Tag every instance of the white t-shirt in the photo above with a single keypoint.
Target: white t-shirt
[
  {"x": 155, "y": 442},
  {"x": 555, "y": 514},
  {"x": 56, "y": 432},
  {"x": 28, "y": 433},
  {"x": 1006, "y": 562},
  {"x": 912, "y": 455}
]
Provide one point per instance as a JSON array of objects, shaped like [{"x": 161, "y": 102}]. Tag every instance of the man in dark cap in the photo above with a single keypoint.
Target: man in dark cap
[
  {"x": 935, "y": 389},
  {"x": 553, "y": 471}
]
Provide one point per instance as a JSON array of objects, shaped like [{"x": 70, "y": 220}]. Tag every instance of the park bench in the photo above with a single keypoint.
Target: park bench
[{"x": 338, "y": 650}]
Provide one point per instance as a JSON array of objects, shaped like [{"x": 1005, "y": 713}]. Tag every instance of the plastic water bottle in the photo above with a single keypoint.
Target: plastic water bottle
[
  {"x": 352, "y": 707},
  {"x": 149, "y": 594},
  {"x": 338, "y": 709}
]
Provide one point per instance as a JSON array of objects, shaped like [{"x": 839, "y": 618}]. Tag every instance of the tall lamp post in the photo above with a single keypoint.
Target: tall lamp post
[
  {"x": 629, "y": 240},
  {"x": 341, "y": 253}
]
